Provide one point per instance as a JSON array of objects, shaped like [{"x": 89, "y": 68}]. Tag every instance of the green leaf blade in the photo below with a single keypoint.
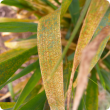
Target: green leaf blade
[
  {"x": 18, "y": 27},
  {"x": 22, "y": 73},
  {"x": 13, "y": 3},
  {"x": 11, "y": 60},
  {"x": 100, "y": 76},
  {"x": 29, "y": 87},
  {"x": 74, "y": 11},
  {"x": 92, "y": 93},
  {"x": 37, "y": 103}
]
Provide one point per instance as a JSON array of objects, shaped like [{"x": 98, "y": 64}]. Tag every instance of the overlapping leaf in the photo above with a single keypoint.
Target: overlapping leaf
[
  {"x": 105, "y": 21},
  {"x": 11, "y": 60},
  {"x": 22, "y": 73},
  {"x": 49, "y": 48},
  {"x": 29, "y": 87},
  {"x": 95, "y": 13},
  {"x": 17, "y": 89},
  {"x": 87, "y": 55},
  {"x": 37, "y": 103},
  {"x": 33, "y": 93},
  {"x": 31, "y": 42}
]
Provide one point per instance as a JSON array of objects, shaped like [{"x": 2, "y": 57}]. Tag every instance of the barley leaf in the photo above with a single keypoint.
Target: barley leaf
[
  {"x": 94, "y": 15},
  {"x": 11, "y": 60},
  {"x": 22, "y": 73},
  {"x": 37, "y": 103},
  {"x": 29, "y": 87},
  {"x": 18, "y": 27},
  {"x": 14, "y": 3}
]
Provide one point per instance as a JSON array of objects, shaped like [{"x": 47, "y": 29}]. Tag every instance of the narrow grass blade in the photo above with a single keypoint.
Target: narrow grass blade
[
  {"x": 100, "y": 75},
  {"x": 18, "y": 27},
  {"x": 74, "y": 10},
  {"x": 14, "y": 3},
  {"x": 50, "y": 4},
  {"x": 92, "y": 93},
  {"x": 29, "y": 87},
  {"x": 25, "y": 71},
  {"x": 58, "y": 2},
  {"x": 17, "y": 89},
  {"x": 6, "y": 105},
  {"x": 4, "y": 19},
  {"x": 11, "y": 60},
  {"x": 33, "y": 93},
  {"x": 37, "y": 103},
  {"x": 66, "y": 75},
  {"x": 26, "y": 44},
  {"x": 106, "y": 77},
  {"x": 10, "y": 87}
]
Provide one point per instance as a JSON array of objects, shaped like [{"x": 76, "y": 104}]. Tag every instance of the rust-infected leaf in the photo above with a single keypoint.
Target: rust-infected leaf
[
  {"x": 11, "y": 60},
  {"x": 94, "y": 15},
  {"x": 86, "y": 58},
  {"x": 49, "y": 49}
]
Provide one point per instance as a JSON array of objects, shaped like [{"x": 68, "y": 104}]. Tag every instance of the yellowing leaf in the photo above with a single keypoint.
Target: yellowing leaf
[
  {"x": 31, "y": 43},
  {"x": 11, "y": 60},
  {"x": 21, "y": 44},
  {"x": 3, "y": 19},
  {"x": 49, "y": 49},
  {"x": 6, "y": 105},
  {"x": 81, "y": 3}
]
